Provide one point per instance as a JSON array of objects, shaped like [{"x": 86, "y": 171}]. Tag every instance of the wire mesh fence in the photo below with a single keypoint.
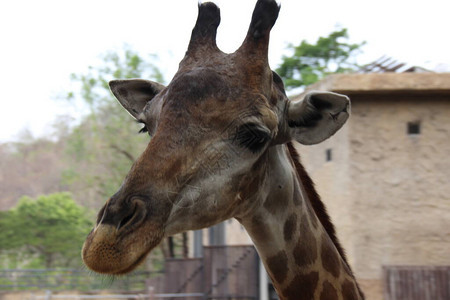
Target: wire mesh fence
[{"x": 68, "y": 279}]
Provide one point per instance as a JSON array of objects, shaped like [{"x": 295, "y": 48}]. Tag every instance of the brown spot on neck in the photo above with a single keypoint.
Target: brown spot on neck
[
  {"x": 349, "y": 290},
  {"x": 278, "y": 267},
  {"x": 302, "y": 287},
  {"x": 305, "y": 252},
  {"x": 276, "y": 204},
  {"x": 330, "y": 259},
  {"x": 328, "y": 292},
  {"x": 289, "y": 227},
  {"x": 260, "y": 231}
]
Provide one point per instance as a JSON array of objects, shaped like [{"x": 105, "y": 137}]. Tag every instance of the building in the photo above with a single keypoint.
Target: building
[{"x": 384, "y": 176}]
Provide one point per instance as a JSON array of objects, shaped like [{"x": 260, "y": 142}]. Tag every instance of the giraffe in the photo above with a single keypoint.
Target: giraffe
[{"x": 221, "y": 147}]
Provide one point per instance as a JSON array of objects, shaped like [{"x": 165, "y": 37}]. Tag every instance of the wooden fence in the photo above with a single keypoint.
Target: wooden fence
[
  {"x": 416, "y": 282},
  {"x": 225, "y": 272}
]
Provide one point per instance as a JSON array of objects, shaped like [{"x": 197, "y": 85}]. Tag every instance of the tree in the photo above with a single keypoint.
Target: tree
[
  {"x": 103, "y": 146},
  {"x": 30, "y": 166},
  {"x": 48, "y": 231},
  {"x": 312, "y": 62}
]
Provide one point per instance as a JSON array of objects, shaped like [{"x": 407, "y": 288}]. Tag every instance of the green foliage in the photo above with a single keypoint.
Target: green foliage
[
  {"x": 311, "y": 62},
  {"x": 46, "y": 232}
]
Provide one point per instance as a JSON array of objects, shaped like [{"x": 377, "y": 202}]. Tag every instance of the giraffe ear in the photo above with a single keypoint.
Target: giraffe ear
[
  {"x": 317, "y": 116},
  {"x": 133, "y": 94}
]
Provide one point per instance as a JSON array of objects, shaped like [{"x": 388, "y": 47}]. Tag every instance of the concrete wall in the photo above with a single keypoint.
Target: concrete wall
[{"x": 403, "y": 185}]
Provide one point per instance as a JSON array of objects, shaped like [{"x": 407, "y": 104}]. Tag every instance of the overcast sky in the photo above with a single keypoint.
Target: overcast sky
[{"x": 43, "y": 42}]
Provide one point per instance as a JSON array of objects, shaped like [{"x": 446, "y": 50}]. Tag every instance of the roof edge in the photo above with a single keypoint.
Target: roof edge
[{"x": 384, "y": 83}]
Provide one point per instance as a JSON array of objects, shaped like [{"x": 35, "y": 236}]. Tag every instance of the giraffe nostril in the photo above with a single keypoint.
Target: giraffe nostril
[
  {"x": 136, "y": 215},
  {"x": 126, "y": 220}
]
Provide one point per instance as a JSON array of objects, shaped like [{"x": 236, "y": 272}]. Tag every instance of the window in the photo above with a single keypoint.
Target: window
[
  {"x": 413, "y": 128},
  {"x": 328, "y": 155}
]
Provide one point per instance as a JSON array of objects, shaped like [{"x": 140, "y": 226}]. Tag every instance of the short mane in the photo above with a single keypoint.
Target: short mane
[
  {"x": 316, "y": 203},
  {"x": 319, "y": 207}
]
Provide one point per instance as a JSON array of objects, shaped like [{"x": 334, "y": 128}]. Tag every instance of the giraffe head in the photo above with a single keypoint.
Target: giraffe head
[{"x": 211, "y": 129}]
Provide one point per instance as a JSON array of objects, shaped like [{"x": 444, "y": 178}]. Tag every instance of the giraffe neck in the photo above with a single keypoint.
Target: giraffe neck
[{"x": 298, "y": 253}]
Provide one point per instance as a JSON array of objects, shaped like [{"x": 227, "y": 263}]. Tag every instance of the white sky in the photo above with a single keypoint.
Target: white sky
[{"x": 43, "y": 42}]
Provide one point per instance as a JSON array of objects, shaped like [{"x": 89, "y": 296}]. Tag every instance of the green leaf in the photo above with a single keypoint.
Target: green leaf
[{"x": 310, "y": 63}]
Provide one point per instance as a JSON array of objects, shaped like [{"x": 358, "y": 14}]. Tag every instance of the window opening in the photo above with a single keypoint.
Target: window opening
[
  {"x": 329, "y": 155},
  {"x": 413, "y": 127}
]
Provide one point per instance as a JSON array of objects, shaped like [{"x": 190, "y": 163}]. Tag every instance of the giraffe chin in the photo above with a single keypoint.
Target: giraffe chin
[{"x": 108, "y": 251}]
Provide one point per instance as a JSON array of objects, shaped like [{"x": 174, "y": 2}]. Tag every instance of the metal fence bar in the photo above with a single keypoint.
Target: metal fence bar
[
  {"x": 119, "y": 296},
  {"x": 179, "y": 295}
]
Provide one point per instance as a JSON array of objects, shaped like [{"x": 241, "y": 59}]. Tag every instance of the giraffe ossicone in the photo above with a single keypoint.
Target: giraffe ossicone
[{"x": 221, "y": 147}]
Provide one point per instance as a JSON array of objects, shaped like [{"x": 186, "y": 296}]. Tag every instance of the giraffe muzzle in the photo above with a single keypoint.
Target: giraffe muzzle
[{"x": 122, "y": 238}]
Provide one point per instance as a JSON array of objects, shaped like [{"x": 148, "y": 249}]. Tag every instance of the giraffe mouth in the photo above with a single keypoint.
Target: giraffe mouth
[
  {"x": 133, "y": 266},
  {"x": 106, "y": 251}
]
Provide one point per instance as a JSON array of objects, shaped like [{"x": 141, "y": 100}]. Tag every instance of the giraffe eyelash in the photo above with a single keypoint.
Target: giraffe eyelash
[
  {"x": 144, "y": 128},
  {"x": 251, "y": 137}
]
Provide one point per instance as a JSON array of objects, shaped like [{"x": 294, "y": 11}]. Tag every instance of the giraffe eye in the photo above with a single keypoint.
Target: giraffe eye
[
  {"x": 252, "y": 137},
  {"x": 143, "y": 129}
]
